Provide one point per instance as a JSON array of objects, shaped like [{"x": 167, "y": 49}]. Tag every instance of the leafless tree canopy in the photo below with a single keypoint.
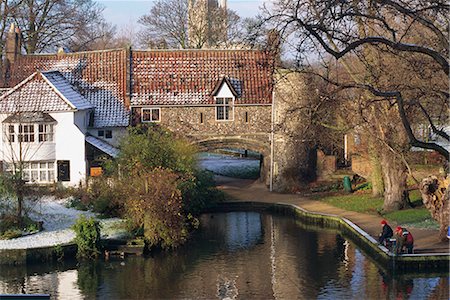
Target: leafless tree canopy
[
  {"x": 49, "y": 24},
  {"x": 166, "y": 26},
  {"x": 402, "y": 46}
]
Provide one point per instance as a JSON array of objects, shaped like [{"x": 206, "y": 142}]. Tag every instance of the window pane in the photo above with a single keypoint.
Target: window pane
[
  {"x": 43, "y": 165},
  {"x": 51, "y": 165},
  {"x": 11, "y": 128},
  {"x": 228, "y": 100},
  {"x": 155, "y": 115},
  {"x": 34, "y": 165},
  {"x": 108, "y": 134},
  {"x": 51, "y": 175},
  {"x": 146, "y": 115},
  {"x": 219, "y": 100},
  {"x": 26, "y": 175},
  {"x": 43, "y": 175},
  {"x": 227, "y": 112},
  {"x": 101, "y": 133},
  {"x": 220, "y": 112},
  {"x": 34, "y": 176}
]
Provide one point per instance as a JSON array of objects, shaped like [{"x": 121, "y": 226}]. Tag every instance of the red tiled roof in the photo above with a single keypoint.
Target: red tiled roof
[
  {"x": 190, "y": 76},
  {"x": 167, "y": 77},
  {"x": 32, "y": 95},
  {"x": 100, "y": 76}
]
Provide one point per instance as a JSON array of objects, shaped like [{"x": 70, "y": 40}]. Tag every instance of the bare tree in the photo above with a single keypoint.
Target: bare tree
[
  {"x": 410, "y": 28},
  {"x": 48, "y": 24},
  {"x": 168, "y": 23},
  {"x": 378, "y": 42}
]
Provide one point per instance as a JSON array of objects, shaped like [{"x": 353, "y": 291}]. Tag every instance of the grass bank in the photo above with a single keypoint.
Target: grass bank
[{"x": 363, "y": 202}]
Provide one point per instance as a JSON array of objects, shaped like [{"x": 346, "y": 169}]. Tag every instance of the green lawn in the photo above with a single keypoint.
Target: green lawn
[{"x": 418, "y": 216}]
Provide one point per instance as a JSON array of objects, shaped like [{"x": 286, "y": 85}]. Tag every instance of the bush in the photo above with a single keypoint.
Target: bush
[
  {"x": 87, "y": 237},
  {"x": 147, "y": 147},
  {"x": 199, "y": 192},
  {"x": 157, "y": 208},
  {"x": 11, "y": 234}
]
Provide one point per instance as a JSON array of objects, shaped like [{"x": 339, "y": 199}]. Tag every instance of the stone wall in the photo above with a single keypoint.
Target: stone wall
[
  {"x": 250, "y": 128},
  {"x": 294, "y": 152},
  {"x": 326, "y": 164}
]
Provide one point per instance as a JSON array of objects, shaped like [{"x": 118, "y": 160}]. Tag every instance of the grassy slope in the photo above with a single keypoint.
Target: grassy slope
[{"x": 418, "y": 216}]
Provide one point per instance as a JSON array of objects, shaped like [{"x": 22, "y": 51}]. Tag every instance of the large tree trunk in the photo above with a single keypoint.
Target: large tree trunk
[
  {"x": 435, "y": 196},
  {"x": 394, "y": 175},
  {"x": 377, "y": 175}
]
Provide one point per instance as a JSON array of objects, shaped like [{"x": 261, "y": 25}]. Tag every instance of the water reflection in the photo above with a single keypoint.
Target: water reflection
[{"x": 233, "y": 256}]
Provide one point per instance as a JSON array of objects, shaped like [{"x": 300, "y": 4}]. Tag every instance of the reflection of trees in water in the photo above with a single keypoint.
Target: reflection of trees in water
[
  {"x": 279, "y": 257},
  {"x": 89, "y": 277},
  {"x": 34, "y": 277}
]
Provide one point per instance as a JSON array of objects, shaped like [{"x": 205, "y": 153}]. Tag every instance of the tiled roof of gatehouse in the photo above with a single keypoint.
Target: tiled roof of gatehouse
[
  {"x": 189, "y": 77},
  {"x": 157, "y": 77}
]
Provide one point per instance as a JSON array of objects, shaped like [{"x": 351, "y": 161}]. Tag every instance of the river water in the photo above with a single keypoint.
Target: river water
[{"x": 239, "y": 255}]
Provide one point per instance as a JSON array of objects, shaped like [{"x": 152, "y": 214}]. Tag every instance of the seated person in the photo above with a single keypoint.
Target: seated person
[
  {"x": 404, "y": 240},
  {"x": 386, "y": 232}
]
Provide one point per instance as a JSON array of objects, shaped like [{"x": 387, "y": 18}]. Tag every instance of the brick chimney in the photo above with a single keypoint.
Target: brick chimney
[{"x": 12, "y": 44}]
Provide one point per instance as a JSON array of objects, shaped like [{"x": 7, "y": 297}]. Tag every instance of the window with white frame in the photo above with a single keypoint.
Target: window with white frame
[
  {"x": 29, "y": 133},
  {"x": 11, "y": 134},
  {"x": 36, "y": 171},
  {"x": 26, "y": 133},
  {"x": 224, "y": 109},
  {"x": 45, "y": 132},
  {"x": 151, "y": 114}
]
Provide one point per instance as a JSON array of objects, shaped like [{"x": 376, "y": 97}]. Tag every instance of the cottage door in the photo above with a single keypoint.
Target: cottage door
[{"x": 63, "y": 170}]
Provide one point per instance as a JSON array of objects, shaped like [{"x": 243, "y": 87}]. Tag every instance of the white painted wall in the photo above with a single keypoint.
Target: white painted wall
[
  {"x": 117, "y": 134},
  {"x": 70, "y": 143},
  {"x": 30, "y": 151},
  {"x": 224, "y": 92}
]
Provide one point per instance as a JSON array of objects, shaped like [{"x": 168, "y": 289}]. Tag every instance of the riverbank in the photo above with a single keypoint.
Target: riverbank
[
  {"x": 57, "y": 220},
  {"x": 425, "y": 240}
]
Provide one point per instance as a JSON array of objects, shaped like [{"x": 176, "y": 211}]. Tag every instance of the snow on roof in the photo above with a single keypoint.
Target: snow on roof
[
  {"x": 31, "y": 95},
  {"x": 102, "y": 146},
  {"x": 99, "y": 76},
  {"x": 66, "y": 90}
]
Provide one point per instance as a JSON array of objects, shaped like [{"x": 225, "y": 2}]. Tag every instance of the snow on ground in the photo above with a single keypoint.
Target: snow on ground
[
  {"x": 57, "y": 222},
  {"x": 222, "y": 164}
]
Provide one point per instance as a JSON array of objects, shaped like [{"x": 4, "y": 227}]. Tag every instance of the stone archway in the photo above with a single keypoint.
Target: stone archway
[{"x": 206, "y": 145}]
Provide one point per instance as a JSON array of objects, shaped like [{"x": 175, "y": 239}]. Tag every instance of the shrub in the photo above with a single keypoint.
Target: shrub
[
  {"x": 147, "y": 147},
  {"x": 87, "y": 237},
  {"x": 11, "y": 234},
  {"x": 199, "y": 192},
  {"x": 157, "y": 207}
]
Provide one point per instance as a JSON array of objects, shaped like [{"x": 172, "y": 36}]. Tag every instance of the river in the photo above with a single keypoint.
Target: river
[{"x": 238, "y": 255}]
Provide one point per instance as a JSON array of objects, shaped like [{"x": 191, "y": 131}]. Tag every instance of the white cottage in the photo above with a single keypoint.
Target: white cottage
[{"x": 47, "y": 126}]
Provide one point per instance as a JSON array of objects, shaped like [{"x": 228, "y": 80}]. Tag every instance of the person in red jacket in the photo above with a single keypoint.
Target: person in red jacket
[{"x": 404, "y": 240}]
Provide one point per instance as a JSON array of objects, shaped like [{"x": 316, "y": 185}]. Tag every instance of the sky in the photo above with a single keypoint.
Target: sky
[{"x": 125, "y": 13}]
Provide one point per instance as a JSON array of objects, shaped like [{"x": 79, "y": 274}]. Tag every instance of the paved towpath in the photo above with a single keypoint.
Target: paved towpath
[{"x": 425, "y": 240}]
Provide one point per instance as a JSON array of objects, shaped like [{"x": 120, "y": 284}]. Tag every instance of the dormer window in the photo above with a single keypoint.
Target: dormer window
[
  {"x": 224, "y": 95},
  {"x": 224, "y": 109}
]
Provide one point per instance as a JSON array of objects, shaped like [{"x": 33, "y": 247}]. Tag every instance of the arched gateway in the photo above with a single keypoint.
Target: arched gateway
[{"x": 261, "y": 147}]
